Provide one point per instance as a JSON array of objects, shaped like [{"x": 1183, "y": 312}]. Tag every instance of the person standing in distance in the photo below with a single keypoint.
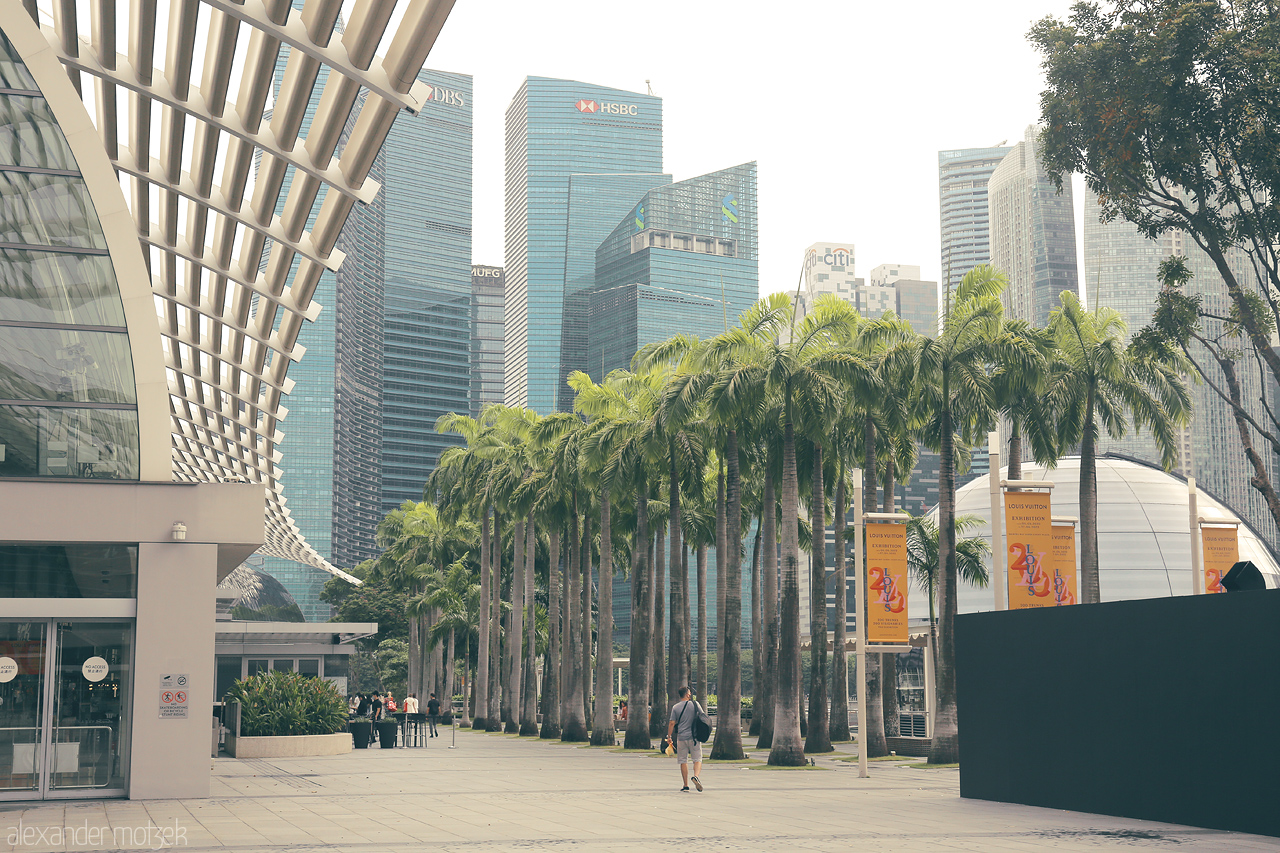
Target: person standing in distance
[
  {"x": 433, "y": 711},
  {"x": 411, "y": 704},
  {"x": 680, "y": 728}
]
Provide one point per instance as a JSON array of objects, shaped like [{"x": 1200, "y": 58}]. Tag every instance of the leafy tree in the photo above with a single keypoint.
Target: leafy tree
[
  {"x": 375, "y": 600},
  {"x": 1170, "y": 109}
]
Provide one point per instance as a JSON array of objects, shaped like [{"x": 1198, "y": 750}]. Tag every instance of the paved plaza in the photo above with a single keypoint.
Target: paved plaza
[{"x": 497, "y": 792}]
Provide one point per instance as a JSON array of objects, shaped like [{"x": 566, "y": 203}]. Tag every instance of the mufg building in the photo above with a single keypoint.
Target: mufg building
[{"x": 144, "y": 353}]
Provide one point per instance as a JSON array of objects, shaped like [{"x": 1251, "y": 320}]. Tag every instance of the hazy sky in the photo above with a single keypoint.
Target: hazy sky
[{"x": 845, "y": 105}]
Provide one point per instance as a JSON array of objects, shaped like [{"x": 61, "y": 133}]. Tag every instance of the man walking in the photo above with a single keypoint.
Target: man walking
[
  {"x": 433, "y": 711},
  {"x": 680, "y": 729}
]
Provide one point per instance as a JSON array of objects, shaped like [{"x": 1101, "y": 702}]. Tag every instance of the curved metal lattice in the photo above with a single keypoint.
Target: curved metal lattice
[{"x": 234, "y": 279}]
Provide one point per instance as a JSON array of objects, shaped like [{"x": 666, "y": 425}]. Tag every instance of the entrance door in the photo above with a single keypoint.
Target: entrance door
[{"x": 66, "y": 713}]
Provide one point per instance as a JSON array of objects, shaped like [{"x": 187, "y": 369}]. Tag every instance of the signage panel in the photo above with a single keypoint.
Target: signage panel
[
  {"x": 1029, "y": 533},
  {"x": 1065, "y": 575},
  {"x": 1221, "y": 552},
  {"x": 887, "y": 579}
]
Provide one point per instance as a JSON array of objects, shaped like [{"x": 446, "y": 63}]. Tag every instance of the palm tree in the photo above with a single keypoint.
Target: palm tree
[
  {"x": 1099, "y": 381},
  {"x": 450, "y": 595},
  {"x": 972, "y": 553},
  {"x": 958, "y": 404}
]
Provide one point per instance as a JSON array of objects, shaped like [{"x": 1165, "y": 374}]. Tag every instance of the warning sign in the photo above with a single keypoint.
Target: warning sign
[{"x": 173, "y": 702}]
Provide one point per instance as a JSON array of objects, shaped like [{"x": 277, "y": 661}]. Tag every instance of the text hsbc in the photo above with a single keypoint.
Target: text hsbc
[{"x": 620, "y": 109}]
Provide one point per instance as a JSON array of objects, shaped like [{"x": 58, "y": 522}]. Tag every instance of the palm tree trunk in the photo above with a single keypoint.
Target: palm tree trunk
[
  {"x": 415, "y": 645},
  {"x": 529, "y": 683},
  {"x": 448, "y": 674},
  {"x": 768, "y": 647},
  {"x": 819, "y": 737},
  {"x": 515, "y": 655},
  {"x": 1090, "y": 590},
  {"x": 568, "y": 624},
  {"x": 493, "y": 718},
  {"x": 787, "y": 749},
  {"x": 678, "y": 665},
  {"x": 638, "y": 675},
  {"x": 839, "y": 726},
  {"x": 889, "y": 660},
  {"x": 658, "y": 725},
  {"x": 573, "y": 726},
  {"x": 722, "y": 552},
  {"x": 702, "y": 622},
  {"x": 756, "y": 659},
  {"x": 1015, "y": 451},
  {"x": 585, "y": 648},
  {"x": 551, "y": 674},
  {"x": 728, "y": 742},
  {"x": 602, "y": 722},
  {"x": 482, "y": 664},
  {"x": 687, "y": 663},
  {"x": 945, "y": 748},
  {"x": 870, "y": 718},
  {"x": 468, "y": 691}
]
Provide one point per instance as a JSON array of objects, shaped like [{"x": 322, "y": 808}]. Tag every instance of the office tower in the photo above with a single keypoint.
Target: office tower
[
  {"x": 828, "y": 268},
  {"x": 1033, "y": 233},
  {"x": 684, "y": 259},
  {"x": 962, "y": 194},
  {"x": 426, "y": 279},
  {"x": 1121, "y": 266},
  {"x": 578, "y": 157},
  {"x": 392, "y": 350},
  {"x": 488, "y": 298}
]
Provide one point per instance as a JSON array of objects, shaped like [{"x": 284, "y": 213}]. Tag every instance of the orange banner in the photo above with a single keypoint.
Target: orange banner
[
  {"x": 1221, "y": 552},
  {"x": 887, "y": 578},
  {"x": 1065, "y": 582},
  {"x": 1029, "y": 532}
]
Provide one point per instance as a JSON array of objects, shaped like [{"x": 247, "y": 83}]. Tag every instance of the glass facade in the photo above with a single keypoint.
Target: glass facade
[
  {"x": 68, "y": 402},
  {"x": 426, "y": 227},
  {"x": 578, "y": 157},
  {"x": 488, "y": 297},
  {"x": 683, "y": 260}
]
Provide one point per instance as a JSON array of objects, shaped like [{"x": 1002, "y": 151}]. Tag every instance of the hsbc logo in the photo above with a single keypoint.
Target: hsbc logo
[
  {"x": 441, "y": 95},
  {"x": 588, "y": 106}
]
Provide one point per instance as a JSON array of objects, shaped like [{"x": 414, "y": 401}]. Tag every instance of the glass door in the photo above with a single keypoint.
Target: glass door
[
  {"x": 89, "y": 742},
  {"x": 22, "y": 706}
]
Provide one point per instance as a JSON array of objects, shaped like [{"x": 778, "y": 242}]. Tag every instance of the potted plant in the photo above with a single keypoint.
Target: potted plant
[{"x": 285, "y": 714}]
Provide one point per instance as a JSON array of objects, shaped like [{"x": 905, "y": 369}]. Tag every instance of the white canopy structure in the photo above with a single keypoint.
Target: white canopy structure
[{"x": 206, "y": 173}]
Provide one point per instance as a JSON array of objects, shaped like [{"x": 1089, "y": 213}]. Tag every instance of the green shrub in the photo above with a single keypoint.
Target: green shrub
[{"x": 286, "y": 703}]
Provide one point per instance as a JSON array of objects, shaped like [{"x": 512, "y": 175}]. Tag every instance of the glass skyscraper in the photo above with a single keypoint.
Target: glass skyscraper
[
  {"x": 1032, "y": 233},
  {"x": 390, "y": 351},
  {"x": 488, "y": 296},
  {"x": 683, "y": 259},
  {"x": 578, "y": 157},
  {"x": 962, "y": 194}
]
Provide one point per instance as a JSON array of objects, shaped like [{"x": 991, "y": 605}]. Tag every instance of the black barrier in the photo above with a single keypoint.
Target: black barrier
[{"x": 1162, "y": 709}]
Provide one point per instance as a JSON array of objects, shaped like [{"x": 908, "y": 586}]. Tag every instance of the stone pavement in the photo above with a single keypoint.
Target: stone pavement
[{"x": 497, "y": 793}]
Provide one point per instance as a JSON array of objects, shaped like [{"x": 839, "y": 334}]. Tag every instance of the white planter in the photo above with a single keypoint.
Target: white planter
[{"x": 290, "y": 746}]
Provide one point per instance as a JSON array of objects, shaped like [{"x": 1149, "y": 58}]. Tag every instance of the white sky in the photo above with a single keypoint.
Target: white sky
[{"x": 844, "y": 104}]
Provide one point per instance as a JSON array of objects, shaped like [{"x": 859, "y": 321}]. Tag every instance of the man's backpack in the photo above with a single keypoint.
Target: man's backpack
[{"x": 701, "y": 725}]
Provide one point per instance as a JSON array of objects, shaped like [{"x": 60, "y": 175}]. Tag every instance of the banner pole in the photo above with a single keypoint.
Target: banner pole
[
  {"x": 1197, "y": 569},
  {"x": 999, "y": 554},
  {"x": 860, "y": 653}
]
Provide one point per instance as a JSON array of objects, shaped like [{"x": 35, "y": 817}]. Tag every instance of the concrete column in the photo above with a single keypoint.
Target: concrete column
[{"x": 175, "y": 632}]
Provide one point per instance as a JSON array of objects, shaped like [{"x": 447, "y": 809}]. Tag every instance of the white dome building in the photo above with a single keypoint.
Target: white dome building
[{"x": 1144, "y": 537}]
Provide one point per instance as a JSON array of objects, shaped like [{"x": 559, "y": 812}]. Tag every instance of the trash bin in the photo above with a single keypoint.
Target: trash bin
[
  {"x": 387, "y": 733},
  {"x": 361, "y": 732}
]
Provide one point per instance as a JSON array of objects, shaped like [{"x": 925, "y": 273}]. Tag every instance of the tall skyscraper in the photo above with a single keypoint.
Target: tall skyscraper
[
  {"x": 426, "y": 275},
  {"x": 683, "y": 259},
  {"x": 488, "y": 298},
  {"x": 962, "y": 194},
  {"x": 1032, "y": 233},
  {"x": 578, "y": 158},
  {"x": 392, "y": 350},
  {"x": 1121, "y": 266}
]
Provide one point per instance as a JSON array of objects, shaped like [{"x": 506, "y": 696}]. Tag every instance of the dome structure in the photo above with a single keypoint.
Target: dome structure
[{"x": 1144, "y": 537}]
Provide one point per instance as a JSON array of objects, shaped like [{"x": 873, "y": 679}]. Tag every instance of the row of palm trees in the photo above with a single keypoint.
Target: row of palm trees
[{"x": 701, "y": 443}]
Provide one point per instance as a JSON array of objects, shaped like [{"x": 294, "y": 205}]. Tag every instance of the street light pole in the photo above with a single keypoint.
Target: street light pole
[{"x": 860, "y": 601}]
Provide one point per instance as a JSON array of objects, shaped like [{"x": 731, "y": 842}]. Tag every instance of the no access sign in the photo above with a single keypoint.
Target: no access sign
[{"x": 173, "y": 697}]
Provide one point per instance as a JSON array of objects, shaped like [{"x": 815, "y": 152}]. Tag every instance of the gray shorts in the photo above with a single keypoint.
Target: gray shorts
[{"x": 687, "y": 750}]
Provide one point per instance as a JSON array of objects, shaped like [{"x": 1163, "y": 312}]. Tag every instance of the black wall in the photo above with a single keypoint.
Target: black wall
[{"x": 1162, "y": 709}]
